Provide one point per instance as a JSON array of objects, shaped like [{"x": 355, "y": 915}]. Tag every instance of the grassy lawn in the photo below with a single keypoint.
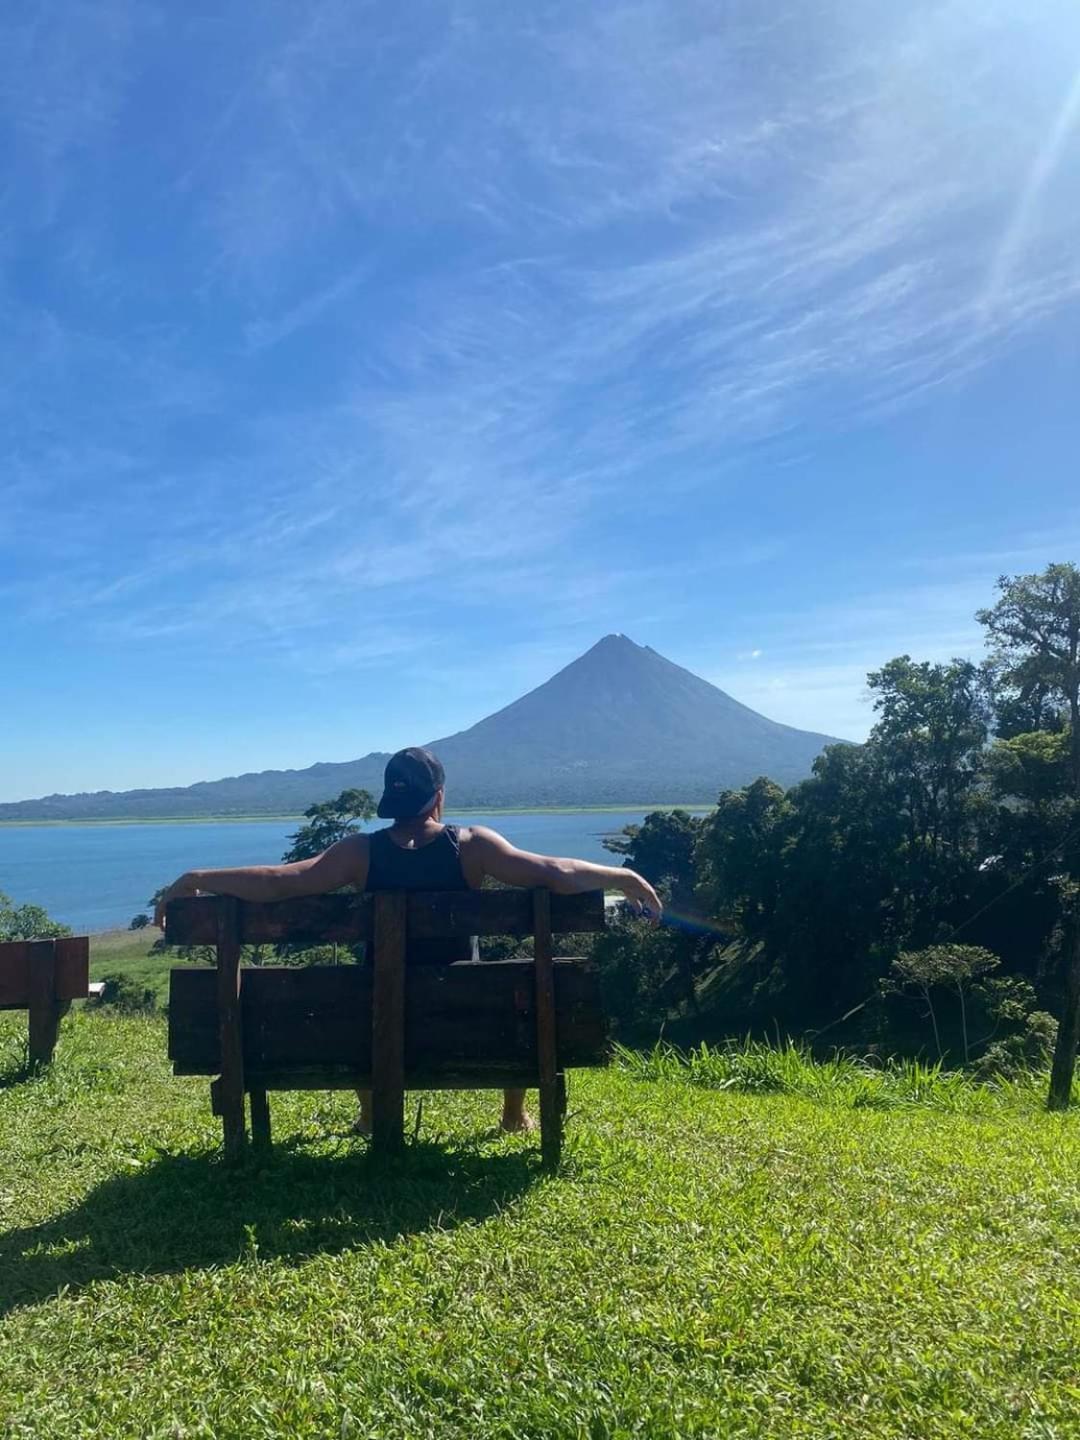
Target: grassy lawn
[
  {"x": 127, "y": 952},
  {"x": 710, "y": 1263}
]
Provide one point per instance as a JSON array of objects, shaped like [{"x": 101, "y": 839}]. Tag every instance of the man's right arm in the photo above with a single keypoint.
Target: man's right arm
[
  {"x": 486, "y": 852},
  {"x": 344, "y": 863}
]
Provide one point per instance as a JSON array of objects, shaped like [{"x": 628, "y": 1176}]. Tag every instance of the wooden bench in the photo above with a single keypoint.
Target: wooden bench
[
  {"x": 384, "y": 1026},
  {"x": 43, "y": 977}
]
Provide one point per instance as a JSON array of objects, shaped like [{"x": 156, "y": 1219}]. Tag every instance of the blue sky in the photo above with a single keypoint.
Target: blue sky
[{"x": 363, "y": 364}]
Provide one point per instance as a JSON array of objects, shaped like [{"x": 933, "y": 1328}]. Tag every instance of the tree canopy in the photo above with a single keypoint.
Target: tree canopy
[
  {"x": 952, "y": 835},
  {"x": 27, "y": 922},
  {"x": 329, "y": 822}
]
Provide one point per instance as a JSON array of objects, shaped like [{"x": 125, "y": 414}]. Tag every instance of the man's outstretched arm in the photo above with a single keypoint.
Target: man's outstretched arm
[
  {"x": 493, "y": 855},
  {"x": 343, "y": 864}
]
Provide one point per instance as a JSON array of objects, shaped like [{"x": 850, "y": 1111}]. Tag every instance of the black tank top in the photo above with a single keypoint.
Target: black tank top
[{"x": 435, "y": 866}]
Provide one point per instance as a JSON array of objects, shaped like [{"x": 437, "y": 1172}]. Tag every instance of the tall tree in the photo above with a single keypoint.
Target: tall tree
[
  {"x": 930, "y": 736},
  {"x": 740, "y": 856},
  {"x": 27, "y": 922},
  {"x": 662, "y": 849},
  {"x": 329, "y": 822},
  {"x": 1034, "y": 632}
]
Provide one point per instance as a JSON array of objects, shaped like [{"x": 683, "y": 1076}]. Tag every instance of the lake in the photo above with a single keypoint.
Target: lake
[{"x": 96, "y": 877}]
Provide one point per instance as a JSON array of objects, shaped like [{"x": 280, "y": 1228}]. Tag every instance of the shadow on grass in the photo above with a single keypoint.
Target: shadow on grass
[
  {"x": 17, "y": 1069},
  {"x": 189, "y": 1211}
]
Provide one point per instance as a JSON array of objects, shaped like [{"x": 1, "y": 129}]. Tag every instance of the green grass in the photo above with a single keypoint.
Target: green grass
[
  {"x": 711, "y": 1262},
  {"x": 750, "y": 1067},
  {"x": 127, "y": 952}
]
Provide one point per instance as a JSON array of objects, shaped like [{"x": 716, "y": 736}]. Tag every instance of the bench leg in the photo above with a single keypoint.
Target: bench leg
[
  {"x": 44, "y": 1030},
  {"x": 552, "y": 1095},
  {"x": 231, "y": 1081},
  {"x": 231, "y": 1124},
  {"x": 260, "y": 1117},
  {"x": 552, "y": 1110},
  {"x": 45, "y": 1010},
  {"x": 388, "y": 1025}
]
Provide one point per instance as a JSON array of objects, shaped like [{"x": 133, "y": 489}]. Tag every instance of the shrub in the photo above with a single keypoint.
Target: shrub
[
  {"x": 27, "y": 922},
  {"x": 1015, "y": 1055},
  {"x": 127, "y": 995}
]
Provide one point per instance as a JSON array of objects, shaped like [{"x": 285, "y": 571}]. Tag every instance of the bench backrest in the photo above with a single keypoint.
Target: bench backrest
[
  {"x": 512, "y": 1023},
  {"x": 43, "y": 977},
  {"x": 350, "y": 919},
  {"x": 66, "y": 961}
]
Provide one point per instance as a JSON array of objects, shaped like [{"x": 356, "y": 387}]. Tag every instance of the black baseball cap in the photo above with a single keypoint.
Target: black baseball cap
[{"x": 412, "y": 780}]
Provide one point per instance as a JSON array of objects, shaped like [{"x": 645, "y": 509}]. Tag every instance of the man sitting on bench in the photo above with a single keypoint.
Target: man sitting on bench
[{"x": 419, "y": 852}]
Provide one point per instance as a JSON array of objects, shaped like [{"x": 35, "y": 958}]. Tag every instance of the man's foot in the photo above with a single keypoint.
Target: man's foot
[
  {"x": 518, "y": 1122},
  {"x": 361, "y": 1126}
]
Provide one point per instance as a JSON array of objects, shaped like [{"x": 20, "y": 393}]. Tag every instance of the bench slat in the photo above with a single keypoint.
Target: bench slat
[
  {"x": 348, "y": 919},
  {"x": 73, "y": 967},
  {"x": 477, "y": 1077},
  {"x": 320, "y": 1016}
]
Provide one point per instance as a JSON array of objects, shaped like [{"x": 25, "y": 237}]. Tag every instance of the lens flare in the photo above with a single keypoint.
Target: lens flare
[{"x": 1046, "y": 161}]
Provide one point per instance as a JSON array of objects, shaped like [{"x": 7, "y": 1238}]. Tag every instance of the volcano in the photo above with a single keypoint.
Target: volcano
[{"x": 620, "y": 725}]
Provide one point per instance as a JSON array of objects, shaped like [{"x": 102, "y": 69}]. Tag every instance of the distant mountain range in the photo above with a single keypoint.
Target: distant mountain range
[{"x": 619, "y": 726}]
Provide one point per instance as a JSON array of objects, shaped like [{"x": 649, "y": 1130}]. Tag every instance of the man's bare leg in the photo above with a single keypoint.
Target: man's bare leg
[
  {"x": 363, "y": 1120},
  {"x": 515, "y": 1117}
]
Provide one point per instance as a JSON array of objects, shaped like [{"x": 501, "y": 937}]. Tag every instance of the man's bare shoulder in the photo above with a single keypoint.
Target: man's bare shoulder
[
  {"x": 481, "y": 851},
  {"x": 480, "y": 836},
  {"x": 348, "y": 856}
]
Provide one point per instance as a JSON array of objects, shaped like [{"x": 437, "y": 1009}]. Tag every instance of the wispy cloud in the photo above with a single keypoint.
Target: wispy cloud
[
  {"x": 260, "y": 334},
  {"x": 307, "y": 328},
  {"x": 812, "y": 672}
]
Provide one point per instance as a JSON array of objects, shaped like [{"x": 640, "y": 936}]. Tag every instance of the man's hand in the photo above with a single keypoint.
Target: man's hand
[
  {"x": 178, "y": 890},
  {"x": 641, "y": 895}
]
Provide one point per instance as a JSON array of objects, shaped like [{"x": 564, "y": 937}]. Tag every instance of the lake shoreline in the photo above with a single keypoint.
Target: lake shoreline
[
  {"x": 95, "y": 876},
  {"x": 697, "y": 807}
]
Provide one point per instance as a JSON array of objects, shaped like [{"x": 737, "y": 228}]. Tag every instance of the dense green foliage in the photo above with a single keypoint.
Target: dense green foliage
[
  {"x": 756, "y": 1253},
  {"x": 850, "y": 904},
  {"x": 27, "y": 922},
  {"x": 329, "y": 822}
]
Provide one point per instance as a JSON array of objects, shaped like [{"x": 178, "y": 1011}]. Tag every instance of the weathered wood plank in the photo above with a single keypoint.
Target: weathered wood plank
[
  {"x": 72, "y": 970},
  {"x": 14, "y": 975},
  {"x": 388, "y": 1023},
  {"x": 72, "y": 967},
  {"x": 342, "y": 1078},
  {"x": 345, "y": 919},
  {"x": 348, "y": 919},
  {"x": 312, "y": 1015},
  {"x": 500, "y": 912},
  {"x": 546, "y": 1044},
  {"x": 230, "y": 1029}
]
